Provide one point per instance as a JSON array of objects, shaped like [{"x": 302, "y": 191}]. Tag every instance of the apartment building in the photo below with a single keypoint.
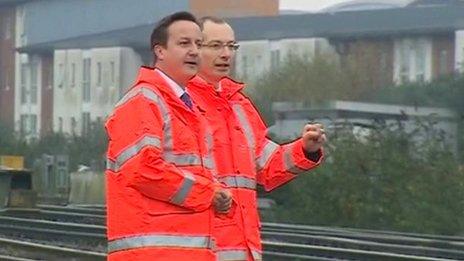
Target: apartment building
[
  {"x": 68, "y": 75},
  {"x": 47, "y": 88}
]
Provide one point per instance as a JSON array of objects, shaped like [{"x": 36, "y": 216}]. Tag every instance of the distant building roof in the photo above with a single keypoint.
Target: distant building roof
[
  {"x": 364, "y": 23},
  {"x": 429, "y": 3},
  {"x": 364, "y": 107},
  {"x": 357, "y": 5},
  {"x": 14, "y": 2},
  {"x": 292, "y": 12},
  {"x": 354, "y": 24}
]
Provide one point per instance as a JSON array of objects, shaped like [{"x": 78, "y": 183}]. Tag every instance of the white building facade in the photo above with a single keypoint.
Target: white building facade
[
  {"x": 459, "y": 51},
  {"x": 28, "y": 100},
  {"x": 88, "y": 83},
  {"x": 254, "y": 58}
]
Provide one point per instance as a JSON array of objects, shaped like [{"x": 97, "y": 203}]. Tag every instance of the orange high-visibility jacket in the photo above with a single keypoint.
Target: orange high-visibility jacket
[
  {"x": 159, "y": 183},
  {"x": 244, "y": 157}
]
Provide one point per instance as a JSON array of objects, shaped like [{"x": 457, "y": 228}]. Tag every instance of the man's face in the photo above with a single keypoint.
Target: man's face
[
  {"x": 179, "y": 58},
  {"x": 217, "y": 52}
]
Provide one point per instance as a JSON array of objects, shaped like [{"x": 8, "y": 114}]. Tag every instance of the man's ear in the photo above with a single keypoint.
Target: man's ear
[{"x": 159, "y": 51}]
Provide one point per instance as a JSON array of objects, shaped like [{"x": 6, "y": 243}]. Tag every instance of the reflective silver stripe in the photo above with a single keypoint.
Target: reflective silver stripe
[
  {"x": 184, "y": 159},
  {"x": 178, "y": 159},
  {"x": 111, "y": 165},
  {"x": 133, "y": 150},
  {"x": 266, "y": 154},
  {"x": 289, "y": 163},
  {"x": 158, "y": 100},
  {"x": 129, "y": 95},
  {"x": 132, "y": 242},
  {"x": 238, "y": 109},
  {"x": 236, "y": 255},
  {"x": 185, "y": 188},
  {"x": 238, "y": 182},
  {"x": 208, "y": 160},
  {"x": 145, "y": 91},
  {"x": 256, "y": 255}
]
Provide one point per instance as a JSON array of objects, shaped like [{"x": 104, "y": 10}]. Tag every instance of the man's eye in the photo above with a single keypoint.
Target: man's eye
[
  {"x": 216, "y": 45},
  {"x": 184, "y": 43}
]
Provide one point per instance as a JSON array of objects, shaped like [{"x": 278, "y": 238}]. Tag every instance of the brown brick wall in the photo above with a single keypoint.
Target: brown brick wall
[
  {"x": 47, "y": 95},
  {"x": 7, "y": 66},
  {"x": 442, "y": 45},
  {"x": 234, "y": 8},
  {"x": 372, "y": 58}
]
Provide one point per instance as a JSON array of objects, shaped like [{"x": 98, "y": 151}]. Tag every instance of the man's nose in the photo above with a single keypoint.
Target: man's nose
[
  {"x": 226, "y": 52},
  {"x": 195, "y": 50}
]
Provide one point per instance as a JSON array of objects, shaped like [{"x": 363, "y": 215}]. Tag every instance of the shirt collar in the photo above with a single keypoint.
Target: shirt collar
[{"x": 175, "y": 87}]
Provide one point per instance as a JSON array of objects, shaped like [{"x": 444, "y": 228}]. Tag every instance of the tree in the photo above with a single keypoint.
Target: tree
[
  {"x": 88, "y": 149},
  {"x": 10, "y": 143},
  {"x": 385, "y": 181},
  {"x": 311, "y": 80}
]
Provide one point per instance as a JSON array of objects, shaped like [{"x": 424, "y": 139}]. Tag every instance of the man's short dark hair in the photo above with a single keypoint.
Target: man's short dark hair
[
  {"x": 159, "y": 35},
  {"x": 214, "y": 19}
]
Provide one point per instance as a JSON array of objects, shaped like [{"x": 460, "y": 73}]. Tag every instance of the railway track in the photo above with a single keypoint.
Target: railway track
[
  {"x": 93, "y": 210},
  {"x": 58, "y": 214},
  {"x": 12, "y": 249},
  {"x": 280, "y": 241}
]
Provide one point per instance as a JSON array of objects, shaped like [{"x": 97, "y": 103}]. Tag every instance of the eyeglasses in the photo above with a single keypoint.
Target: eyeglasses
[{"x": 218, "y": 46}]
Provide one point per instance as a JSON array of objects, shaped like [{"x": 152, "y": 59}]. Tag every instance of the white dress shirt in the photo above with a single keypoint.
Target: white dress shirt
[{"x": 175, "y": 87}]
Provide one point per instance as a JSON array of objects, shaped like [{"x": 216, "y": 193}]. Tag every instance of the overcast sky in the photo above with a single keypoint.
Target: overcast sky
[{"x": 307, "y": 5}]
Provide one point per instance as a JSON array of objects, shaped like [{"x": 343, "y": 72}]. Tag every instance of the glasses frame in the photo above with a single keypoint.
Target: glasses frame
[{"x": 219, "y": 46}]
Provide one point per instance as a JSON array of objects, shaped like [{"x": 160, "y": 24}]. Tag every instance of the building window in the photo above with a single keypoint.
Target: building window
[
  {"x": 112, "y": 72},
  {"x": 259, "y": 60},
  {"x": 443, "y": 62},
  {"x": 99, "y": 74},
  {"x": 419, "y": 53},
  {"x": 60, "y": 124},
  {"x": 60, "y": 75},
  {"x": 23, "y": 83},
  {"x": 462, "y": 58},
  {"x": 23, "y": 124},
  {"x": 275, "y": 59},
  {"x": 383, "y": 67},
  {"x": 85, "y": 123},
  {"x": 50, "y": 78},
  {"x": 404, "y": 63},
  {"x": 34, "y": 82},
  {"x": 412, "y": 60},
  {"x": 86, "y": 80},
  {"x": 461, "y": 62},
  {"x": 73, "y": 125},
  {"x": 73, "y": 74},
  {"x": 33, "y": 124},
  {"x": 28, "y": 124}
]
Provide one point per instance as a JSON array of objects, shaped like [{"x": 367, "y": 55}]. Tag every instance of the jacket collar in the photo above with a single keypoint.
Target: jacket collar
[
  {"x": 228, "y": 85},
  {"x": 153, "y": 78}
]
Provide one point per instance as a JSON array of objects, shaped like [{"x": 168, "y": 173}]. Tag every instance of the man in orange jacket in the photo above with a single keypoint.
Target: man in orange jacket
[
  {"x": 244, "y": 155},
  {"x": 161, "y": 192}
]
